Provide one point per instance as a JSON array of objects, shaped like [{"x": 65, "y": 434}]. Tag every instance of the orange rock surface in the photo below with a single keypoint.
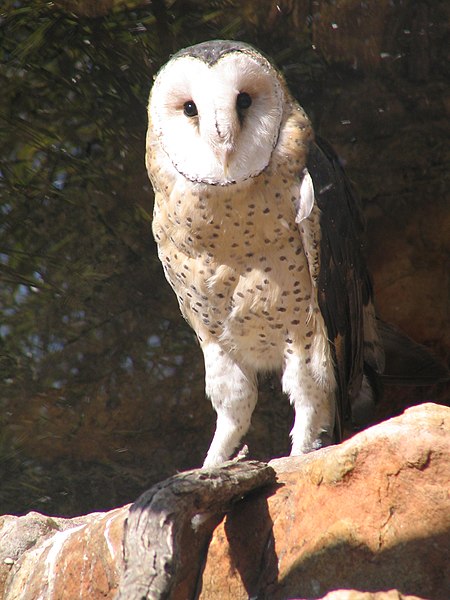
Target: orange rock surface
[{"x": 370, "y": 515}]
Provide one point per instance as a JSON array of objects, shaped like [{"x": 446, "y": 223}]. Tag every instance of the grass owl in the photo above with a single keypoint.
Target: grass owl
[{"x": 260, "y": 237}]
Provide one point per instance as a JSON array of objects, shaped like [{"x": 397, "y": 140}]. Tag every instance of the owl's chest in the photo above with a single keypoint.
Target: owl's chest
[{"x": 238, "y": 268}]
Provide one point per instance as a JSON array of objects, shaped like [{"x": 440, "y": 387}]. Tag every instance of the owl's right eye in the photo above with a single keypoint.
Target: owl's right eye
[{"x": 190, "y": 109}]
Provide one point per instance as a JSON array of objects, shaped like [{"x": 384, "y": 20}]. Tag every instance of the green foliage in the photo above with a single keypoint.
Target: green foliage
[{"x": 76, "y": 251}]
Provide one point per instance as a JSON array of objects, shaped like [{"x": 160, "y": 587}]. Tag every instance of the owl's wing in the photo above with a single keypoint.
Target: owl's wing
[
  {"x": 344, "y": 285},
  {"x": 360, "y": 343}
]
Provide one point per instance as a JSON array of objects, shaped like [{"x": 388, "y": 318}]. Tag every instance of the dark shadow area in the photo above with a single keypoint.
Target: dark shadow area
[
  {"x": 356, "y": 567},
  {"x": 252, "y": 545}
]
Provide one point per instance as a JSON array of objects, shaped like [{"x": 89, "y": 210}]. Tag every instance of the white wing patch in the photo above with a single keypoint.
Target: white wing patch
[
  {"x": 305, "y": 202},
  {"x": 308, "y": 220}
]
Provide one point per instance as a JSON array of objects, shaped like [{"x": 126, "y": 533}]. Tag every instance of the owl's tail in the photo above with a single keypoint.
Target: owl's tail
[{"x": 406, "y": 361}]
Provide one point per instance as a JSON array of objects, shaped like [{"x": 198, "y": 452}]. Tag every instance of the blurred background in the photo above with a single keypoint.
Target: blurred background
[{"x": 101, "y": 380}]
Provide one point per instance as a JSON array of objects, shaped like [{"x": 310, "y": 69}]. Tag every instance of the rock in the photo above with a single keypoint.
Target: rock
[
  {"x": 371, "y": 514},
  {"x": 63, "y": 558}
]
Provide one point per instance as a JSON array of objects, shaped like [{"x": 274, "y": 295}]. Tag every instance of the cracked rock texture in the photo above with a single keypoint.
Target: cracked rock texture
[{"x": 349, "y": 522}]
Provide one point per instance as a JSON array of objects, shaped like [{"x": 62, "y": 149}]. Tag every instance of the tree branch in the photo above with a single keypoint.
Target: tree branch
[{"x": 169, "y": 528}]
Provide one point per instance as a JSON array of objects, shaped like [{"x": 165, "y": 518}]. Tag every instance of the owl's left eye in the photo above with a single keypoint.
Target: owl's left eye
[
  {"x": 190, "y": 108},
  {"x": 243, "y": 100}
]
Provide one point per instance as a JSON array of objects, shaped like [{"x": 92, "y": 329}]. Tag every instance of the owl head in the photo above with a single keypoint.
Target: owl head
[{"x": 216, "y": 110}]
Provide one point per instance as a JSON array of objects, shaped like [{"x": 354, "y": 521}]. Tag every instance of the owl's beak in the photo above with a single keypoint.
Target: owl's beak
[
  {"x": 224, "y": 155},
  {"x": 225, "y": 134}
]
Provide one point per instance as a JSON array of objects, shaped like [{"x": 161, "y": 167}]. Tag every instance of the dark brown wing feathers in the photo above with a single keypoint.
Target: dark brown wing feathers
[
  {"x": 345, "y": 288},
  {"x": 344, "y": 282}
]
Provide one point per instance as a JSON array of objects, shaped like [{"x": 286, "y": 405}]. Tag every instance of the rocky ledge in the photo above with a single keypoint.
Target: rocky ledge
[{"x": 366, "y": 520}]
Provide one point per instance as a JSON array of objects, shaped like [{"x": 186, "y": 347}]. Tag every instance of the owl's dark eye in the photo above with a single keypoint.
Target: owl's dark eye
[
  {"x": 243, "y": 100},
  {"x": 190, "y": 109}
]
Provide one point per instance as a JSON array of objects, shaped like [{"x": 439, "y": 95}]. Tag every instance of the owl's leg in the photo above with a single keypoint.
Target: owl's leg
[
  {"x": 233, "y": 393},
  {"x": 313, "y": 400}
]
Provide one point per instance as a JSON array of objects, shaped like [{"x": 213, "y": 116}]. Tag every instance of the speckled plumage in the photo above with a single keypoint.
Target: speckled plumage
[{"x": 243, "y": 252}]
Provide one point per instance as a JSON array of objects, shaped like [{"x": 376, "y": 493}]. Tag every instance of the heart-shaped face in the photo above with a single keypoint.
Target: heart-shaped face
[{"x": 217, "y": 119}]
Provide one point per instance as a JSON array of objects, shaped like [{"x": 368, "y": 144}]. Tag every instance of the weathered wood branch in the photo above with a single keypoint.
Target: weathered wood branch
[{"x": 169, "y": 527}]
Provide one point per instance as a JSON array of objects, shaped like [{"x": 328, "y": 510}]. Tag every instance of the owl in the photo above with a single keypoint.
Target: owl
[{"x": 260, "y": 236}]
